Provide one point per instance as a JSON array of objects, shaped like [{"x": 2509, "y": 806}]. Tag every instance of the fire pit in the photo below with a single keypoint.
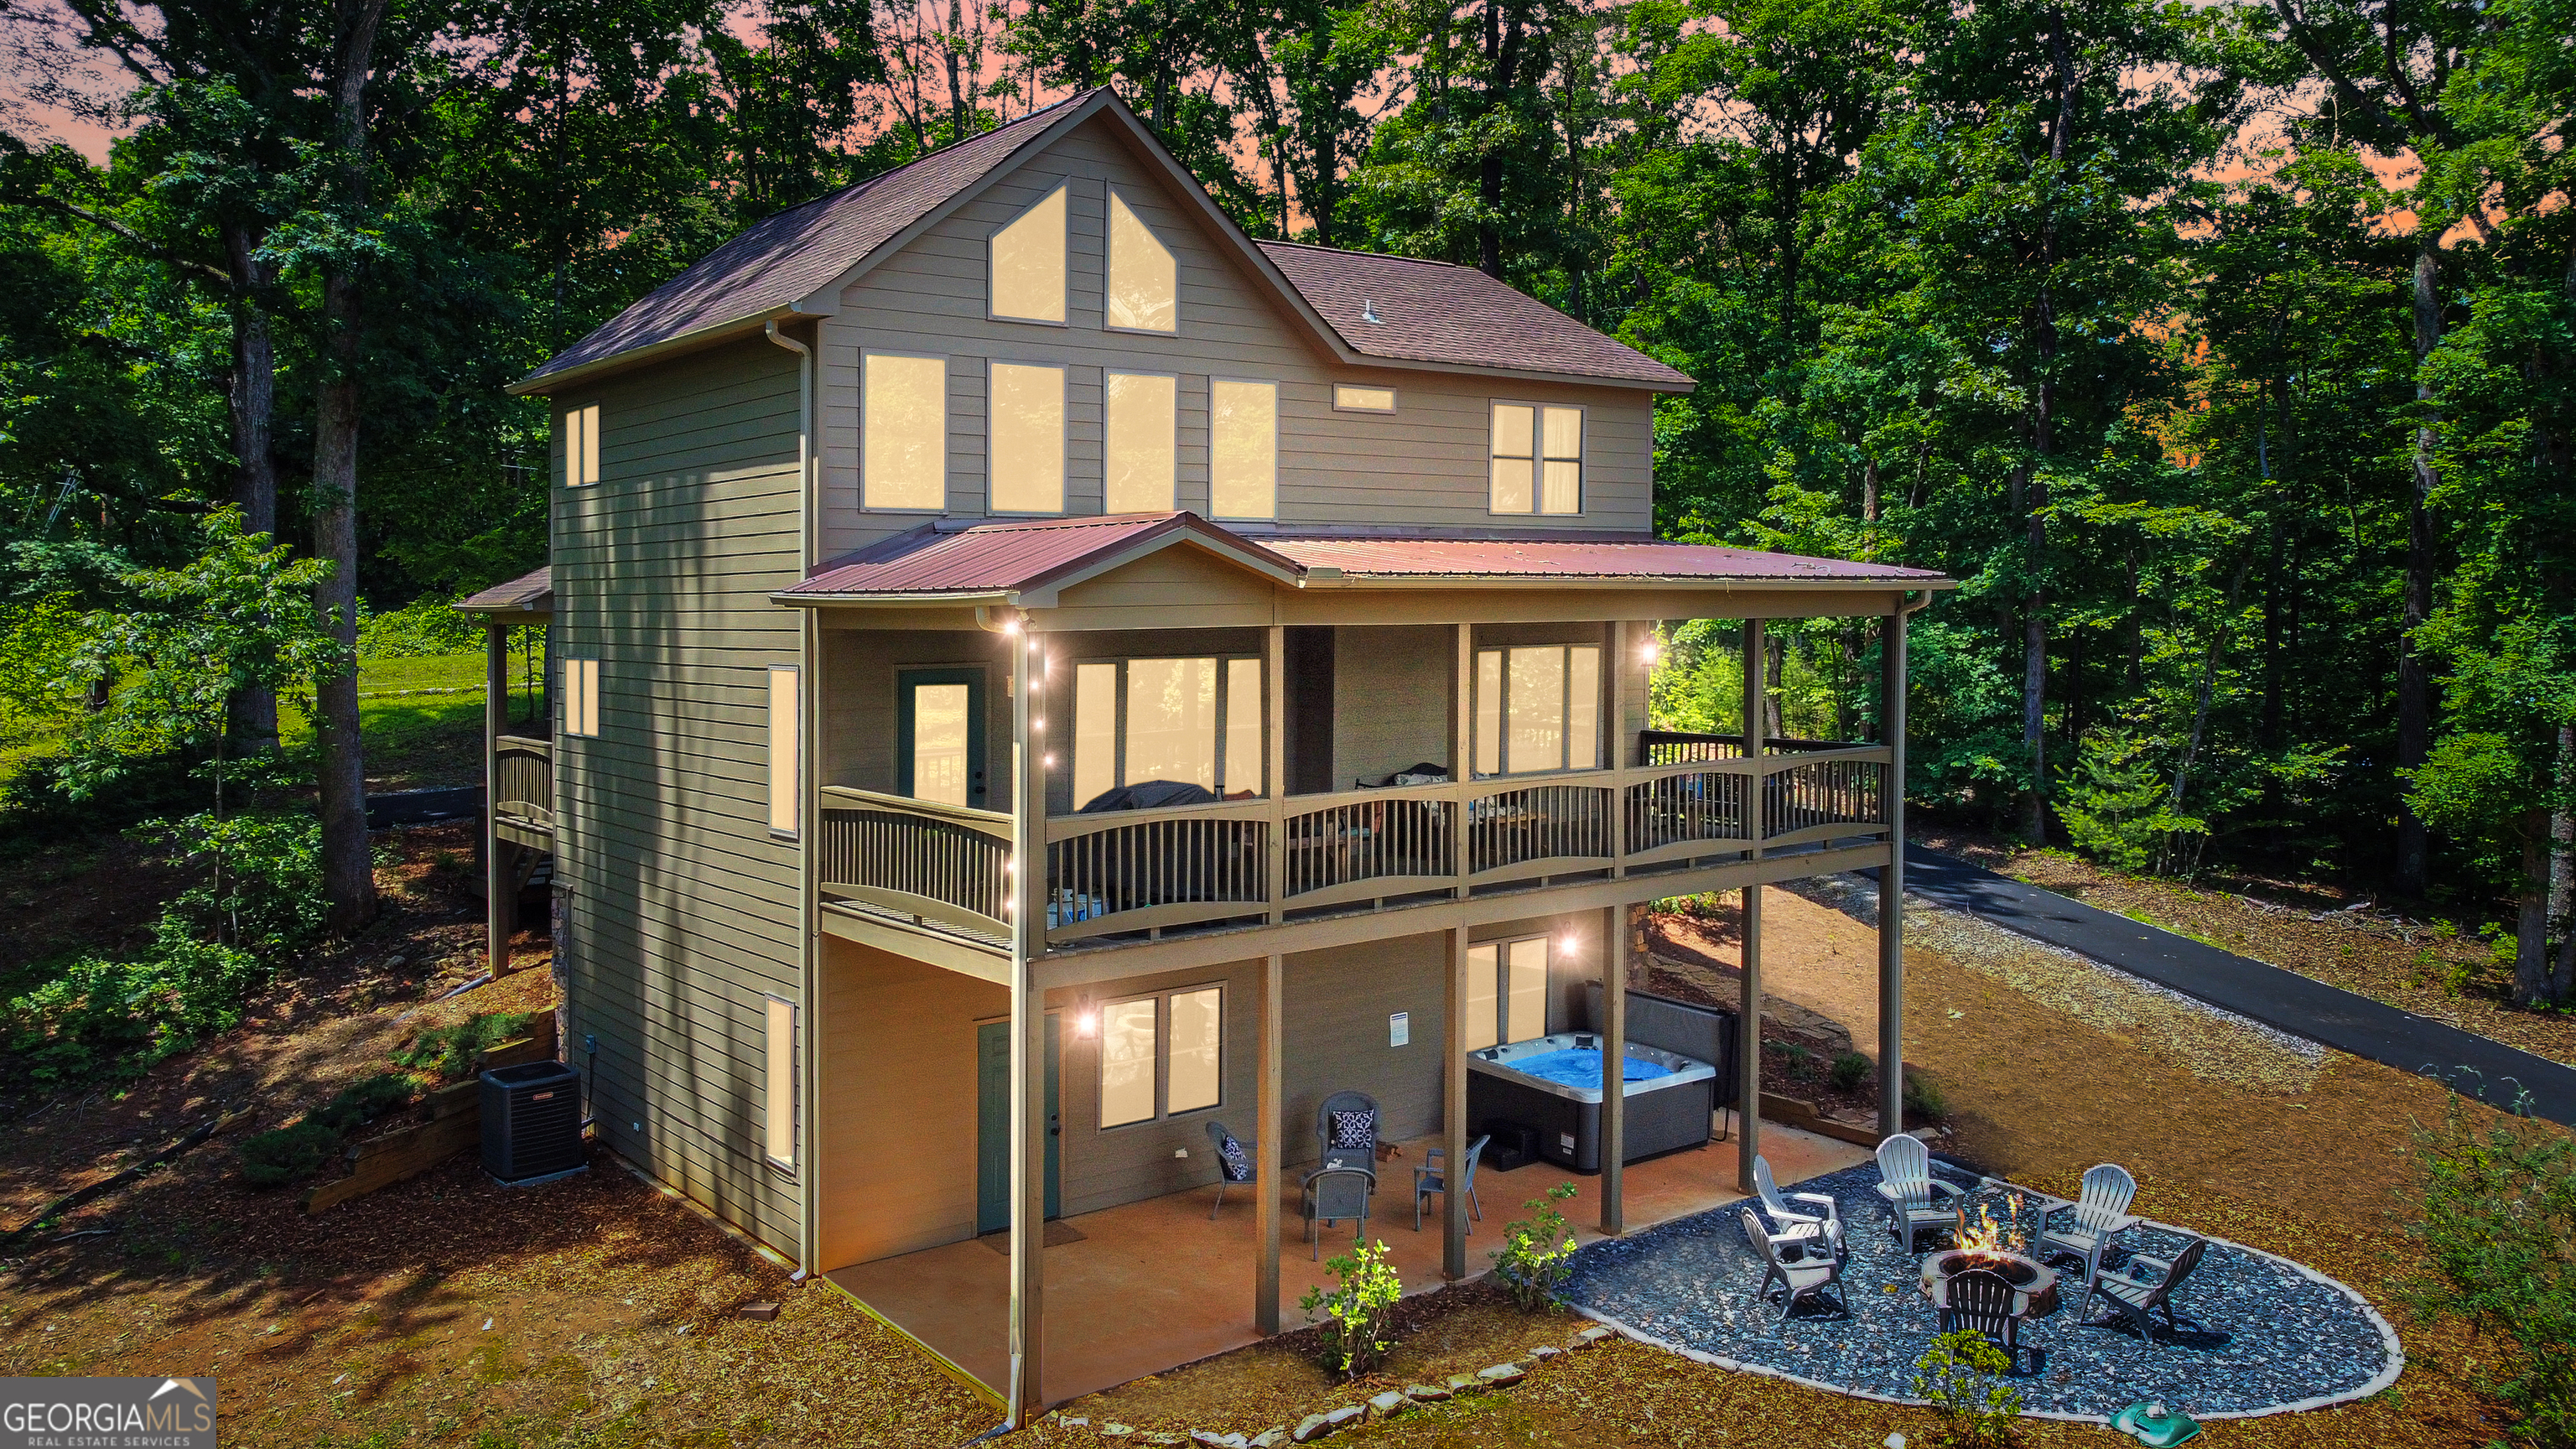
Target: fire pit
[{"x": 2034, "y": 1283}]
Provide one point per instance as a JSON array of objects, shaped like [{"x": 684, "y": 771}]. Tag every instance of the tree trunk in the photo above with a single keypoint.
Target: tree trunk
[
  {"x": 348, "y": 876},
  {"x": 2414, "y": 674},
  {"x": 2562, "y": 871},
  {"x": 2034, "y": 644},
  {"x": 251, "y": 714},
  {"x": 2531, "y": 985}
]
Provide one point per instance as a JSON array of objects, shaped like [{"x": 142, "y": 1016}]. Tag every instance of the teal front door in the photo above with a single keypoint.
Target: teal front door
[{"x": 993, "y": 1123}]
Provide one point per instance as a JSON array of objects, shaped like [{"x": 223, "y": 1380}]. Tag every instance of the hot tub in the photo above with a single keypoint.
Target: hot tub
[{"x": 1553, "y": 1084}]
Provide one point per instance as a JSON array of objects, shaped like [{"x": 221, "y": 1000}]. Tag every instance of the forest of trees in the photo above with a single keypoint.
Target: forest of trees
[{"x": 2225, "y": 353}]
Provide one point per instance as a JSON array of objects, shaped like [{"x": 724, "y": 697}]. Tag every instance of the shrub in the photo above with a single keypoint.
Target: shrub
[
  {"x": 1957, "y": 1376},
  {"x": 418, "y": 629},
  {"x": 2499, "y": 1213},
  {"x": 1537, "y": 1251},
  {"x": 1357, "y": 1327},
  {"x": 289, "y": 1154},
  {"x": 2115, "y": 805},
  {"x": 1850, "y": 1070},
  {"x": 1924, "y": 1099},
  {"x": 117, "y": 1018},
  {"x": 35, "y": 806},
  {"x": 449, "y": 1053}
]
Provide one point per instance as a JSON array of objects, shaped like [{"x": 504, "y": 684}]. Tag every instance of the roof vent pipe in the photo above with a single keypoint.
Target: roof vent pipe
[{"x": 1368, "y": 312}]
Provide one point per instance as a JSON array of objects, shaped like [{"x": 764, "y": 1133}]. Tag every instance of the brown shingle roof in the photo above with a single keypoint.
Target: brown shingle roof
[
  {"x": 1435, "y": 312},
  {"x": 787, "y": 256},
  {"x": 529, "y": 593}
]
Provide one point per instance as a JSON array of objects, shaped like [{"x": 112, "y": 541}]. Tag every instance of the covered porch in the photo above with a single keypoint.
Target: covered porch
[{"x": 1149, "y": 1285}]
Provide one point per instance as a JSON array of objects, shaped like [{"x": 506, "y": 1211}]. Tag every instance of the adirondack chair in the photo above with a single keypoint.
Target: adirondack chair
[
  {"x": 1801, "y": 1277},
  {"x": 1819, "y": 1217},
  {"x": 2135, "y": 1297},
  {"x": 2096, "y": 1217},
  {"x": 1982, "y": 1300},
  {"x": 1233, "y": 1161},
  {"x": 1915, "y": 1199}
]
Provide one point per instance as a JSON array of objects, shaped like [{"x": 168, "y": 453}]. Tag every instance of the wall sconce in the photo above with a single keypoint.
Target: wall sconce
[
  {"x": 1567, "y": 943},
  {"x": 1086, "y": 1022},
  {"x": 1653, "y": 651}
]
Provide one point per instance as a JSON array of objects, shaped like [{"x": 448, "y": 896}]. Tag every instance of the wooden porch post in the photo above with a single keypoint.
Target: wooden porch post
[
  {"x": 1453, "y": 1110},
  {"x": 1748, "y": 1027},
  {"x": 1891, "y": 881},
  {"x": 1274, "y": 769},
  {"x": 1029, "y": 1108},
  {"x": 1266, "y": 1185},
  {"x": 1462, "y": 762},
  {"x": 1614, "y": 1072},
  {"x": 499, "y": 909}
]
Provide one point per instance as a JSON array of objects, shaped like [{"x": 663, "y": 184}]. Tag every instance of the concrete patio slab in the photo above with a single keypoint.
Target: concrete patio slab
[{"x": 1156, "y": 1284}]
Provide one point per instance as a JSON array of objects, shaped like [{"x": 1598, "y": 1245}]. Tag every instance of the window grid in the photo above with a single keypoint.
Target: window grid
[
  {"x": 581, "y": 445},
  {"x": 1536, "y": 459},
  {"x": 581, "y": 698}
]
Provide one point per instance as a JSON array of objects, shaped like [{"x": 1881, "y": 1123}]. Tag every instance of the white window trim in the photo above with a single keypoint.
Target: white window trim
[
  {"x": 1503, "y": 712},
  {"x": 1163, "y": 1112},
  {"x": 1395, "y": 399},
  {"x": 864, "y": 505},
  {"x": 1118, "y": 707},
  {"x": 1275, "y": 388},
  {"x": 1063, "y": 442},
  {"x": 795, "y": 1083},
  {"x": 1106, "y": 262},
  {"x": 1107, "y": 373},
  {"x": 997, "y": 316},
  {"x": 1538, "y": 456}
]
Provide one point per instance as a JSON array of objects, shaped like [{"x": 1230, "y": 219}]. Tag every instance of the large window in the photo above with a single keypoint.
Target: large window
[
  {"x": 1537, "y": 459},
  {"x": 1243, "y": 449},
  {"x": 1141, "y": 447},
  {"x": 785, "y": 804},
  {"x": 904, "y": 462},
  {"x": 1538, "y": 707},
  {"x": 1026, "y": 457},
  {"x": 1197, "y": 721},
  {"x": 1162, "y": 1055},
  {"x": 1028, "y": 264},
  {"x": 1506, "y": 992},
  {"x": 1144, "y": 282},
  {"x": 581, "y": 445}
]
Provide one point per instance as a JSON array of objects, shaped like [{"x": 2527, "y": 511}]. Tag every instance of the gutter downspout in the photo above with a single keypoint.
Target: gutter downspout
[{"x": 809, "y": 1206}]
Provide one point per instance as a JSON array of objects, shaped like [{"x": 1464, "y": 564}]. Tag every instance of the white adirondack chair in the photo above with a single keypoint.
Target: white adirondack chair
[
  {"x": 1818, "y": 1215},
  {"x": 1915, "y": 1198},
  {"x": 2097, "y": 1216},
  {"x": 1801, "y": 1277}
]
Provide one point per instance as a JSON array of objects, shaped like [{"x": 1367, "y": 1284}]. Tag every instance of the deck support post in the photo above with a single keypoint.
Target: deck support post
[
  {"x": 1614, "y": 1073},
  {"x": 1891, "y": 881},
  {"x": 1453, "y": 1109},
  {"x": 500, "y": 906},
  {"x": 1462, "y": 762},
  {"x": 1748, "y": 1026},
  {"x": 1266, "y": 1185},
  {"x": 1030, "y": 1111},
  {"x": 1274, "y": 772}
]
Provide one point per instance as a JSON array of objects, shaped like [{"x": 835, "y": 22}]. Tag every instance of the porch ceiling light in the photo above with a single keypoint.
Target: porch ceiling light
[
  {"x": 1087, "y": 1024},
  {"x": 1568, "y": 942}
]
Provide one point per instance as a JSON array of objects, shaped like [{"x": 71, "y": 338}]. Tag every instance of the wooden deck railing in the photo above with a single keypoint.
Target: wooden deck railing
[
  {"x": 1137, "y": 873},
  {"x": 523, "y": 779}
]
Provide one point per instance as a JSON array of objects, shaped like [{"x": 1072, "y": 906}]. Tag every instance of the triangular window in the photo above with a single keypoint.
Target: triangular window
[
  {"x": 1144, "y": 281},
  {"x": 1028, "y": 264}
]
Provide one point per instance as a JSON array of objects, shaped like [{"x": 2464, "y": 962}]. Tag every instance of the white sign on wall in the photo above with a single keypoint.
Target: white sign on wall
[{"x": 1399, "y": 1028}]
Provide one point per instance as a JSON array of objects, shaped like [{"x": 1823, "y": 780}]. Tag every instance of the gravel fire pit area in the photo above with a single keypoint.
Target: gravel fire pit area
[{"x": 2260, "y": 1334}]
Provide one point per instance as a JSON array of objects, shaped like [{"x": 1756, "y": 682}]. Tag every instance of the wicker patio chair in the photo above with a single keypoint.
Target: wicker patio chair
[
  {"x": 2097, "y": 1216},
  {"x": 1233, "y": 1162},
  {"x": 1428, "y": 1179},
  {"x": 1346, "y": 1126},
  {"x": 1915, "y": 1199},
  {"x": 1820, "y": 1214},
  {"x": 2135, "y": 1298},
  {"x": 1337, "y": 1194},
  {"x": 1803, "y": 1276}
]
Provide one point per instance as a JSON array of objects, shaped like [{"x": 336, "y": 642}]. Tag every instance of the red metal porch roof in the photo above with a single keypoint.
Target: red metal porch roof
[{"x": 1604, "y": 560}]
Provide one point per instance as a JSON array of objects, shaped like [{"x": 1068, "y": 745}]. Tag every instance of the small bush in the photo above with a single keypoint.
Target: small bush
[
  {"x": 1850, "y": 1070},
  {"x": 419, "y": 629},
  {"x": 1924, "y": 1099},
  {"x": 289, "y": 1154},
  {"x": 2498, "y": 1214},
  {"x": 117, "y": 1018},
  {"x": 365, "y": 1100},
  {"x": 35, "y": 806},
  {"x": 1537, "y": 1251},
  {"x": 1357, "y": 1328},
  {"x": 450, "y": 1052},
  {"x": 1957, "y": 1376}
]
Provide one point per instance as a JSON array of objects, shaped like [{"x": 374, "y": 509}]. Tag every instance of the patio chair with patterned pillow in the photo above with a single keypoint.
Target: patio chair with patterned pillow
[
  {"x": 1346, "y": 1125},
  {"x": 1915, "y": 1198},
  {"x": 1233, "y": 1162},
  {"x": 2098, "y": 1215}
]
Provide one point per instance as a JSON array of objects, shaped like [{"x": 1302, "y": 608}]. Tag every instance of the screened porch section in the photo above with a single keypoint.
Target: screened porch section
[{"x": 1205, "y": 779}]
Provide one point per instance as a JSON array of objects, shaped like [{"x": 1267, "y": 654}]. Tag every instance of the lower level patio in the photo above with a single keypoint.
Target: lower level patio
[{"x": 1147, "y": 1286}]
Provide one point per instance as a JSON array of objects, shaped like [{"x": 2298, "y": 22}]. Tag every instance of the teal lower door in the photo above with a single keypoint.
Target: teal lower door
[{"x": 993, "y": 1123}]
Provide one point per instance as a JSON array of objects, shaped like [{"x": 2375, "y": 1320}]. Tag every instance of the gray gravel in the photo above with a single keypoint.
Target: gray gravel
[{"x": 2268, "y": 1335}]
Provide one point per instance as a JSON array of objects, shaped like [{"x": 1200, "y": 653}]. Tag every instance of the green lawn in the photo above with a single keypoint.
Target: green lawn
[{"x": 422, "y": 719}]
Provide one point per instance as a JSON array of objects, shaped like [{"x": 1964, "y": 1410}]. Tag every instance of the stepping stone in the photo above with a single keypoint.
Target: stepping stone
[
  {"x": 1311, "y": 1428},
  {"x": 1425, "y": 1393},
  {"x": 1502, "y": 1375},
  {"x": 1464, "y": 1383},
  {"x": 1386, "y": 1405},
  {"x": 1346, "y": 1417},
  {"x": 1270, "y": 1438}
]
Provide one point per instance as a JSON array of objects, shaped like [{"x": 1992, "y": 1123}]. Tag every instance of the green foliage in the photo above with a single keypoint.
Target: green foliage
[
  {"x": 1959, "y": 1377},
  {"x": 448, "y": 1053},
  {"x": 1358, "y": 1315},
  {"x": 420, "y": 629},
  {"x": 1850, "y": 1070},
  {"x": 2116, "y": 807},
  {"x": 290, "y": 1154},
  {"x": 2498, "y": 1228},
  {"x": 1924, "y": 1099},
  {"x": 103, "y": 1018},
  {"x": 1537, "y": 1251}
]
